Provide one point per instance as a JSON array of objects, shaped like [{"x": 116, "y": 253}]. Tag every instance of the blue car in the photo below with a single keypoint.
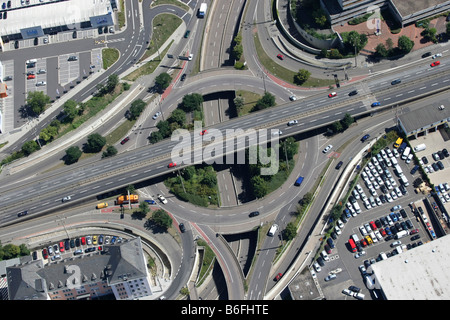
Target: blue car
[
  {"x": 388, "y": 231},
  {"x": 150, "y": 201},
  {"x": 393, "y": 216},
  {"x": 367, "y": 136},
  {"x": 376, "y": 104}
]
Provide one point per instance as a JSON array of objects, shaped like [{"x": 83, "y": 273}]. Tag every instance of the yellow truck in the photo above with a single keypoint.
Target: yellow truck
[
  {"x": 398, "y": 142},
  {"x": 132, "y": 198},
  {"x": 102, "y": 205}
]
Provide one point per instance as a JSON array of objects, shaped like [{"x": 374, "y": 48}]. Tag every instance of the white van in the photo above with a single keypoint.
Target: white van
[
  {"x": 404, "y": 181},
  {"x": 398, "y": 170},
  {"x": 355, "y": 238},
  {"x": 401, "y": 234},
  {"x": 406, "y": 153},
  {"x": 273, "y": 229},
  {"x": 420, "y": 147},
  {"x": 394, "y": 161},
  {"x": 369, "y": 282},
  {"x": 357, "y": 207},
  {"x": 383, "y": 255}
]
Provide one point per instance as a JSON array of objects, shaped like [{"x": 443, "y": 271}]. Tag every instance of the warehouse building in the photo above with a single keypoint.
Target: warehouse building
[{"x": 424, "y": 120}]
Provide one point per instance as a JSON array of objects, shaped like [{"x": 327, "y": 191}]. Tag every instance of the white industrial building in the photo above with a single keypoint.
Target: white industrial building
[{"x": 416, "y": 274}]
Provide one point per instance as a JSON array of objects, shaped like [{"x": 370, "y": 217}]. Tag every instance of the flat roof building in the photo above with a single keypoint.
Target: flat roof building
[
  {"x": 420, "y": 121},
  {"x": 416, "y": 274}
]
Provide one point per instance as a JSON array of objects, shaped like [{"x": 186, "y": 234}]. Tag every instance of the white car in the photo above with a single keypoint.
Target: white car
[
  {"x": 40, "y": 83},
  {"x": 436, "y": 55},
  {"x": 66, "y": 199},
  {"x": 328, "y": 148},
  {"x": 359, "y": 189},
  {"x": 395, "y": 243},
  {"x": 156, "y": 115},
  {"x": 338, "y": 230},
  {"x": 162, "y": 199},
  {"x": 388, "y": 197},
  {"x": 360, "y": 254},
  {"x": 190, "y": 57},
  {"x": 277, "y": 133},
  {"x": 317, "y": 267},
  {"x": 363, "y": 231},
  {"x": 292, "y": 122},
  {"x": 292, "y": 98}
]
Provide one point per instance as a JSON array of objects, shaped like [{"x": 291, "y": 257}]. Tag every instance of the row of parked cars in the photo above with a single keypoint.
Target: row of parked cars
[{"x": 54, "y": 251}]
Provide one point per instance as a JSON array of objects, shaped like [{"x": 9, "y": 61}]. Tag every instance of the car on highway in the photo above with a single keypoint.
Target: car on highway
[
  {"x": 162, "y": 199},
  {"x": 436, "y": 63},
  {"x": 396, "y": 81},
  {"x": 22, "y": 213},
  {"x": 182, "y": 227},
  {"x": 328, "y": 148},
  {"x": 188, "y": 32},
  {"x": 190, "y": 57},
  {"x": 352, "y": 93},
  {"x": 183, "y": 77},
  {"x": 332, "y": 94},
  {"x": 292, "y": 122},
  {"x": 31, "y": 76},
  {"x": 376, "y": 104},
  {"x": 68, "y": 198},
  {"x": 156, "y": 115},
  {"x": 253, "y": 214},
  {"x": 203, "y": 132},
  {"x": 150, "y": 201},
  {"x": 436, "y": 55},
  {"x": 339, "y": 165},
  {"x": 292, "y": 98},
  {"x": 365, "y": 137},
  {"x": 280, "y": 56},
  {"x": 125, "y": 140},
  {"x": 172, "y": 164},
  {"x": 426, "y": 54},
  {"x": 278, "y": 277}
]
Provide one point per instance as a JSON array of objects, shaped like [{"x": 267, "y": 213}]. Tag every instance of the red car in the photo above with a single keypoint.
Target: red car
[
  {"x": 363, "y": 242},
  {"x": 172, "y": 164},
  {"x": 383, "y": 233},
  {"x": 333, "y": 94},
  {"x": 83, "y": 241},
  {"x": 31, "y": 76},
  {"x": 125, "y": 140},
  {"x": 414, "y": 231},
  {"x": 436, "y": 63},
  {"x": 372, "y": 225},
  {"x": 61, "y": 246},
  {"x": 44, "y": 253},
  {"x": 203, "y": 132},
  {"x": 278, "y": 277},
  {"x": 280, "y": 56}
]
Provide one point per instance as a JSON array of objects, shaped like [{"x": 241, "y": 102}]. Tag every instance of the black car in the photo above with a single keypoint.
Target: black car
[
  {"x": 36, "y": 41},
  {"x": 354, "y": 289},
  {"x": 435, "y": 166},
  {"x": 16, "y": 44},
  {"x": 409, "y": 224},
  {"x": 403, "y": 189},
  {"x": 396, "y": 81},
  {"x": 441, "y": 155},
  {"x": 182, "y": 227},
  {"x": 7, "y": 78},
  {"x": 378, "y": 223},
  {"x": 413, "y": 238},
  {"x": 74, "y": 35},
  {"x": 413, "y": 170},
  {"x": 440, "y": 165},
  {"x": 253, "y": 214},
  {"x": 72, "y": 243},
  {"x": 100, "y": 30},
  {"x": 77, "y": 242},
  {"x": 183, "y": 76},
  {"x": 403, "y": 213},
  {"x": 327, "y": 248},
  {"x": 67, "y": 244},
  {"x": 424, "y": 160},
  {"x": 352, "y": 93},
  {"x": 445, "y": 152},
  {"x": 22, "y": 213},
  {"x": 426, "y": 54},
  {"x": 320, "y": 261}
]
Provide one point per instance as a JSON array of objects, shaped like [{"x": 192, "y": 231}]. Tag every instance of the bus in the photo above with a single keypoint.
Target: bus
[
  {"x": 352, "y": 245},
  {"x": 299, "y": 181},
  {"x": 398, "y": 142}
]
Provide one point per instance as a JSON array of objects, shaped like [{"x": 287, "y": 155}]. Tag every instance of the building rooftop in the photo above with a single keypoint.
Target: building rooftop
[
  {"x": 52, "y": 14},
  {"x": 423, "y": 117},
  {"x": 416, "y": 274},
  {"x": 409, "y": 7}
]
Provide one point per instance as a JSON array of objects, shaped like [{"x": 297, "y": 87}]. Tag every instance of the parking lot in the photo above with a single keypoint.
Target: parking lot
[{"x": 387, "y": 210}]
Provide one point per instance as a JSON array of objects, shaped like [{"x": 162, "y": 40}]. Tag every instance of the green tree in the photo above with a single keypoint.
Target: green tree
[
  {"x": 405, "y": 44},
  {"x": 29, "y": 147},
  {"x": 24, "y": 251},
  {"x": 447, "y": 29},
  {"x": 347, "y": 121},
  {"x": 95, "y": 143},
  {"x": 144, "y": 207},
  {"x": 131, "y": 189},
  {"x": 136, "y": 108},
  {"x": 178, "y": 116},
  {"x": 155, "y": 137},
  {"x": 48, "y": 133},
  {"x": 302, "y": 76},
  {"x": 337, "y": 126},
  {"x": 188, "y": 173},
  {"x": 164, "y": 128},
  {"x": 210, "y": 179},
  {"x": 266, "y": 101},
  {"x": 162, "y": 219},
  {"x": 192, "y": 102},
  {"x": 111, "y": 83},
  {"x": 239, "y": 102},
  {"x": 109, "y": 152},
  {"x": 11, "y": 251},
  {"x": 162, "y": 81},
  {"x": 290, "y": 232},
  {"x": 72, "y": 155},
  {"x": 70, "y": 110},
  {"x": 37, "y": 101},
  {"x": 381, "y": 50},
  {"x": 259, "y": 186},
  {"x": 289, "y": 147},
  {"x": 238, "y": 50}
]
